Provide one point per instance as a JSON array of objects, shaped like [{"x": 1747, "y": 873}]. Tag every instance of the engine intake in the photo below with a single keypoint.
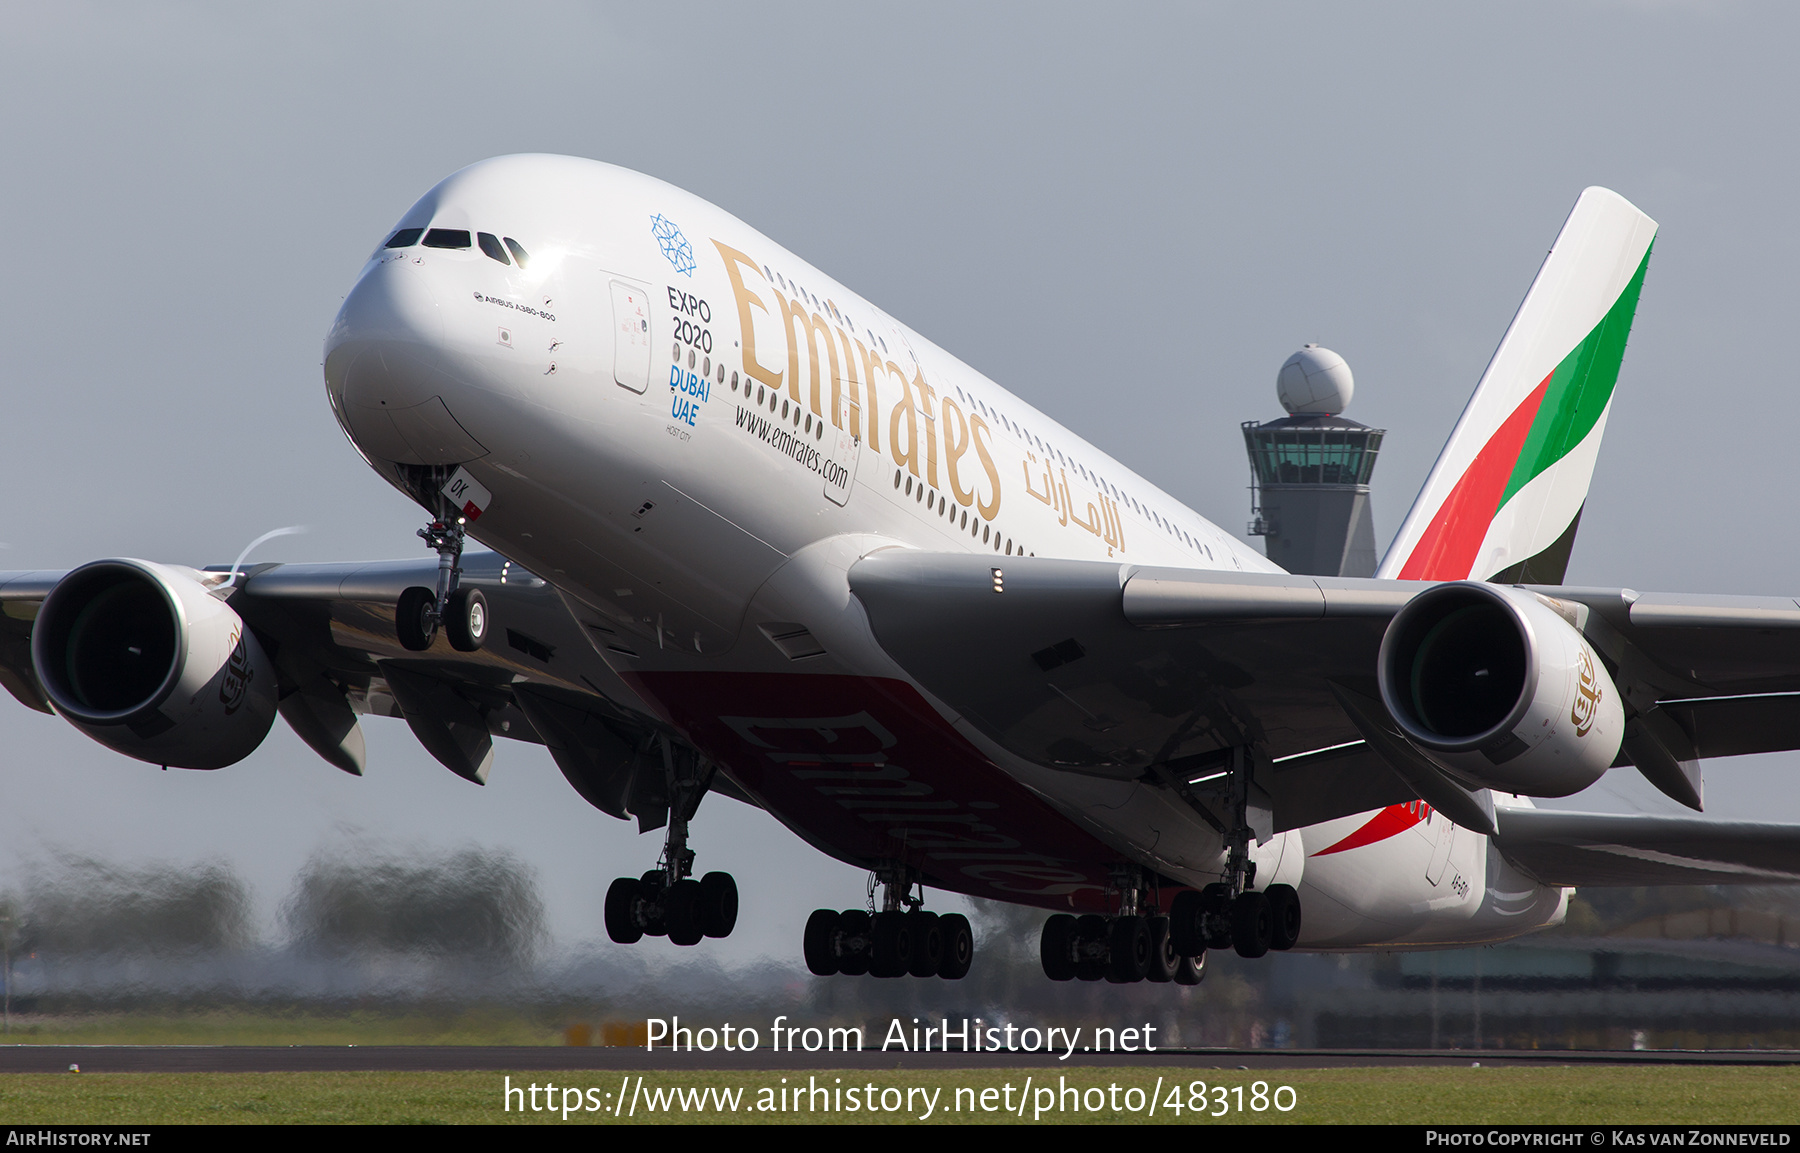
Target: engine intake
[
  {"x": 144, "y": 659},
  {"x": 1501, "y": 690}
]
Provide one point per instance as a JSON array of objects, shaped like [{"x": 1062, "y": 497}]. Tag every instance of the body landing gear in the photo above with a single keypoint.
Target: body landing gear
[
  {"x": 668, "y": 901},
  {"x": 900, "y": 940}
]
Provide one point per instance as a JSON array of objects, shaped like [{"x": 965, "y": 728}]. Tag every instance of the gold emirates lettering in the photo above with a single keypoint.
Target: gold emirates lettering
[
  {"x": 912, "y": 424},
  {"x": 1587, "y": 696}
]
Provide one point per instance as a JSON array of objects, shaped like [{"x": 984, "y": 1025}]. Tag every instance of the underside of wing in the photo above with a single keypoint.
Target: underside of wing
[
  {"x": 1599, "y": 849},
  {"x": 1155, "y": 675}
]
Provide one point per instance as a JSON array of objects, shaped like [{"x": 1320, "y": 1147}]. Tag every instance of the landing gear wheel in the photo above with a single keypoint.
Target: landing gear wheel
[
  {"x": 1216, "y": 903},
  {"x": 1164, "y": 960},
  {"x": 821, "y": 928},
  {"x": 893, "y": 945},
  {"x": 415, "y": 619},
  {"x": 621, "y": 911},
  {"x": 1192, "y": 970},
  {"x": 927, "y": 951},
  {"x": 1128, "y": 952},
  {"x": 1251, "y": 924},
  {"x": 1284, "y": 916},
  {"x": 1187, "y": 927},
  {"x": 1056, "y": 947},
  {"x": 718, "y": 904},
  {"x": 466, "y": 619},
  {"x": 1090, "y": 947},
  {"x": 959, "y": 946},
  {"x": 681, "y": 913},
  {"x": 855, "y": 932}
]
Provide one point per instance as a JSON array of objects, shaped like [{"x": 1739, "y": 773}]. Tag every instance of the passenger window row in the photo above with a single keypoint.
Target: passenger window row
[{"x": 459, "y": 238}]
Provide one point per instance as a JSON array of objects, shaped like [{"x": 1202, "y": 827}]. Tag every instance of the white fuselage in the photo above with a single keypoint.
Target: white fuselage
[{"x": 693, "y": 434}]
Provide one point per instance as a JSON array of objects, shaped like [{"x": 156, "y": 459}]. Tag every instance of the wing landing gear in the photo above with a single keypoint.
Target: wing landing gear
[{"x": 668, "y": 901}]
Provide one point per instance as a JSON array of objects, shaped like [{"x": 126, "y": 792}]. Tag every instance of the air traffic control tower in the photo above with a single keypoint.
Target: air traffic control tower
[{"x": 1309, "y": 472}]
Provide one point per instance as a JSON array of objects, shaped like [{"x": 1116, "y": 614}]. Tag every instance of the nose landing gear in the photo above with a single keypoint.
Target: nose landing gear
[
  {"x": 461, "y": 612},
  {"x": 902, "y": 939}
]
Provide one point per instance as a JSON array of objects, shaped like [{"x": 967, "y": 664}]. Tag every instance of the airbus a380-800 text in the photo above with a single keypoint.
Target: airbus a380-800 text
[{"x": 745, "y": 533}]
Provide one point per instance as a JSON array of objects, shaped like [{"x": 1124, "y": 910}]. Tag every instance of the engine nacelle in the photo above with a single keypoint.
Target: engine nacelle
[
  {"x": 1501, "y": 690},
  {"x": 145, "y": 660}
]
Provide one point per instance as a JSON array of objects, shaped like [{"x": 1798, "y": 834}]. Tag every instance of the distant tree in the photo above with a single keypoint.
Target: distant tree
[
  {"x": 82, "y": 905},
  {"x": 12, "y": 928},
  {"x": 474, "y": 904}
]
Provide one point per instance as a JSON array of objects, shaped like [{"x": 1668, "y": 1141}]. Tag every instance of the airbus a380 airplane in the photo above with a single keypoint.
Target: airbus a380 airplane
[{"x": 751, "y": 535}]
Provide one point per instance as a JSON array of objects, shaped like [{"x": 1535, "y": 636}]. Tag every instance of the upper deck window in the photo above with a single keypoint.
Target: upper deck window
[
  {"x": 447, "y": 238},
  {"x": 490, "y": 244},
  {"x": 405, "y": 238}
]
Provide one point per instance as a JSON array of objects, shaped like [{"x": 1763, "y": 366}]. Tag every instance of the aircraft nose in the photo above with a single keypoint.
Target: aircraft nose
[{"x": 386, "y": 373}]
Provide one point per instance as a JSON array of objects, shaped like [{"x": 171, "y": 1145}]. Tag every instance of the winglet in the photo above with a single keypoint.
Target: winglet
[{"x": 1505, "y": 497}]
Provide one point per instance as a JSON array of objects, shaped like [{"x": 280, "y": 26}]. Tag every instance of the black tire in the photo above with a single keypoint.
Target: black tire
[
  {"x": 1090, "y": 941},
  {"x": 681, "y": 913},
  {"x": 959, "y": 946},
  {"x": 414, "y": 620},
  {"x": 1251, "y": 924},
  {"x": 1192, "y": 970},
  {"x": 1284, "y": 916},
  {"x": 1216, "y": 903},
  {"x": 1056, "y": 947},
  {"x": 1128, "y": 950},
  {"x": 1187, "y": 930},
  {"x": 718, "y": 904},
  {"x": 819, "y": 943},
  {"x": 621, "y": 912},
  {"x": 1164, "y": 959},
  {"x": 856, "y": 942},
  {"x": 927, "y": 944},
  {"x": 892, "y": 935},
  {"x": 466, "y": 619}
]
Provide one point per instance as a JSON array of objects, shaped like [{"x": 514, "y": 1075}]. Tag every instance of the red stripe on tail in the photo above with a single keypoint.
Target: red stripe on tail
[{"x": 1448, "y": 547}]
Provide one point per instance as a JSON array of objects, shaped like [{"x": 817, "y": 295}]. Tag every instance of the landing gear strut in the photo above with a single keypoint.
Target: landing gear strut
[
  {"x": 900, "y": 939},
  {"x": 1229, "y": 914},
  {"x": 461, "y": 612},
  {"x": 668, "y": 901}
]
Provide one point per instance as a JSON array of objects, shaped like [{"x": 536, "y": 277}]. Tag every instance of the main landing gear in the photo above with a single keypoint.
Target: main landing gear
[
  {"x": 668, "y": 901},
  {"x": 464, "y": 612},
  {"x": 1133, "y": 945},
  {"x": 901, "y": 940}
]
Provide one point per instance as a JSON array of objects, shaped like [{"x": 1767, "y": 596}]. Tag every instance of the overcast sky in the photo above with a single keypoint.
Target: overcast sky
[{"x": 1128, "y": 215}]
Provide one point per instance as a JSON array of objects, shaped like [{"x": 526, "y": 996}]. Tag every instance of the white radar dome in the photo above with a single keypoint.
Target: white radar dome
[{"x": 1315, "y": 382}]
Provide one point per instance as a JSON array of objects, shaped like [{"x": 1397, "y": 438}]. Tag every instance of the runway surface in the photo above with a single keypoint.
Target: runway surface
[{"x": 525, "y": 1058}]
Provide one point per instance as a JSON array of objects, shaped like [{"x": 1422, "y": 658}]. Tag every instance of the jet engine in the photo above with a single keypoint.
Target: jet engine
[
  {"x": 146, "y": 660},
  {"x": 1500, "y": 690}
]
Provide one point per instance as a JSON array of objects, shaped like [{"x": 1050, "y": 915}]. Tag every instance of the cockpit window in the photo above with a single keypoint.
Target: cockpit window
[
  {"x": 447, "y": 238},
  {"x": 518, "y": 251},
  {"x": 405, "y": 238},
  {"x": 490, "y": 244}
]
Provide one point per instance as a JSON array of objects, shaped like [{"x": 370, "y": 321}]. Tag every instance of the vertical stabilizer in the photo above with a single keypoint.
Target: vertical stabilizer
[{"x": 1504, "y": 499}]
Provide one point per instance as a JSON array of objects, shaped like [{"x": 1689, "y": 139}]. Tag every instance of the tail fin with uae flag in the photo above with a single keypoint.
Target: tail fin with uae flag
[{"x": 1504, "y": 499}]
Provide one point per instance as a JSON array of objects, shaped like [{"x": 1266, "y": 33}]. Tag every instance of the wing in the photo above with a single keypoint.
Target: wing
[
  {"x": 1601, "y": 849},
  {"x": 328, "y": 632},
  {"x": 1156, "y": 674}
]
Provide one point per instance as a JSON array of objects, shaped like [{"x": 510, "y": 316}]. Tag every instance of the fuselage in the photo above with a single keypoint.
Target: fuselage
[{"x": 693, "y": 434}]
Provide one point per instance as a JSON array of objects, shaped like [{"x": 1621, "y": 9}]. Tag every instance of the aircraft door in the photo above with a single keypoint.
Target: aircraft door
[
  {"x": 840, "y": 466},
  {"x": 631, "y": 336}
]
